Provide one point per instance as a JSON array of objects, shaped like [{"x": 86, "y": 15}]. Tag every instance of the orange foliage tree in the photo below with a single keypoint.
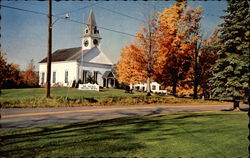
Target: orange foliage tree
[
  {"x": 12, "y": 76},
  {"x": 207, "y": 57},
  {"x": 3, "y": 69},
  {"x": 131, "y": 67},
  {"x": 147, "y": 42},
  {"x": 176, "y": 35},
  {"x": 137, "y": 59},
  {"x": 30, "y": 77}
]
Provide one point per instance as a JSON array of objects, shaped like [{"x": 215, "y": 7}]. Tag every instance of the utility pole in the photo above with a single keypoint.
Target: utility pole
[{"x": 49, "y": 48}]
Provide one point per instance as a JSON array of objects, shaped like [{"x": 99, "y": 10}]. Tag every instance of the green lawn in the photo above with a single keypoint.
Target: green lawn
[
  {"x": 71, "y": 92},
  {"x": 212, "y": 134},
  {"x": 35, "y": 97}
]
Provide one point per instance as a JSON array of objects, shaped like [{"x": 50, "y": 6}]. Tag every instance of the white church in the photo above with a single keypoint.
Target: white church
[{"x": 74, "y": 64}]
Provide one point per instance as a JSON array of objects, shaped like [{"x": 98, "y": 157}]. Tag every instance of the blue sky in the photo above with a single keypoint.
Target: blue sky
[{"x": 24, "y": 34}]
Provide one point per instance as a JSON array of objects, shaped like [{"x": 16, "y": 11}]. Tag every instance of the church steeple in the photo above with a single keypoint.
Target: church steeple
[
  {"x": 91, "y": 27},
  {"x": 91, "y": 37},
  {"x": 91, "y": 19}
]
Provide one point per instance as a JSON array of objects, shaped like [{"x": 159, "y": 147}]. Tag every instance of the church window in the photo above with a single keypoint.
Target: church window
[
  {"x": 95, "y": 76},
  {"x": 43, "y": 77},
  {"x": 66, "y": 77},
  {"x": 84, "y": 77},
  {"x": 54, "y": 77},
  {"x": 87, "y": 31}
]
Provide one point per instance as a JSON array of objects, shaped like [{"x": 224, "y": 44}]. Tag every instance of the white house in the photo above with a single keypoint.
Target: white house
[
  {"x": 154, "y": 87},
  {"x": 73, "y": 64}
]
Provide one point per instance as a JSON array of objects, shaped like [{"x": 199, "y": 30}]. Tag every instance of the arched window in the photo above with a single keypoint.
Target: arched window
[{"x": 95, "y": 30}]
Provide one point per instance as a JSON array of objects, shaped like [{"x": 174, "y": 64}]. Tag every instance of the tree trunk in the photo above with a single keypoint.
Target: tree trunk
[
  {"x": 195, "y": 84},
  {"x": 195, "y": 89},
  {"x": 195, "y": 96},
  {"x": 236, "y": 103},
  {"x": 148, "y": 86},
  {"x": 174, "y": 88}
]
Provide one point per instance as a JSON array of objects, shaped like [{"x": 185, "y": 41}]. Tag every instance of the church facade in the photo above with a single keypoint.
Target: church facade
[{"x": 80, "y": 63}]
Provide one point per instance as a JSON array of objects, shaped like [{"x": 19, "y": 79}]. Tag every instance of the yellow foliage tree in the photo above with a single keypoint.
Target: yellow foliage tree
[
  {"x": 131, "y": 67},
  {"x": 137, "y": 59}
]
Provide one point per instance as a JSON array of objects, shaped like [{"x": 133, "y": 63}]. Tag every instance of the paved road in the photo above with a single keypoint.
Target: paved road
[{"x": 30, "y": 117}]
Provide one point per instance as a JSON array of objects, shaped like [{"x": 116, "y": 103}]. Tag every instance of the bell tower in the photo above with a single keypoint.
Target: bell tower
[{"x": 91, "y": 37}]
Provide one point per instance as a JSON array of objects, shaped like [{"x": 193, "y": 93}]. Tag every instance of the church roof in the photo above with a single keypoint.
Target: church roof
[
  {"x": 77, "y": 54},
  {"x": 66, "y": 54}
]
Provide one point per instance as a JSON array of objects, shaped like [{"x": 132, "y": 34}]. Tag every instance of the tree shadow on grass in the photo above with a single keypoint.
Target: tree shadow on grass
[
  {"x": 72, "y": 134},
  {"x": 244, "y": 109},
  {"x": 240, "y": 109},
  {"x": 193, "y": 115},
  {"x": 105, "y": 136}
]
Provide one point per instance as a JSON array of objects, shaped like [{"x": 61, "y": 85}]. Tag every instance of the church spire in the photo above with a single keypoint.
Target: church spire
[
  {"x": 91, "y": 27},
  {"x": 91, "y": 19}
]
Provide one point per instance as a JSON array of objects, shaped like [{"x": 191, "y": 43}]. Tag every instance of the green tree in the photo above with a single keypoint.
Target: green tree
[{"x": 231, "y": 70}]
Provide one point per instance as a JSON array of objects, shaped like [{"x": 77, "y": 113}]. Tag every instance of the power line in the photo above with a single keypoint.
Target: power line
[
  {"x": 75, "y": 21},
  {"x": 120, "y": 14},
  {"x": 35, "y": 12},
  {"x": 79, "y": 8},
  {"x": 104, "y": 28},
  {"x": 40, "y": 4},
  {"x": 213, "y": 15}
]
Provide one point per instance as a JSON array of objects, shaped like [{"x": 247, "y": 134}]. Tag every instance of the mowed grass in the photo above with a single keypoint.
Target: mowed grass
[
  {"x": 35, "y": 97},
  {"x": 211, "y": 134},
  {"x": 70, "y": 92}
]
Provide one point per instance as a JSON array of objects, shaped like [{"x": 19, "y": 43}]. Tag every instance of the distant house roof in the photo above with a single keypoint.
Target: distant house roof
[{"x": 66, "y": 54}]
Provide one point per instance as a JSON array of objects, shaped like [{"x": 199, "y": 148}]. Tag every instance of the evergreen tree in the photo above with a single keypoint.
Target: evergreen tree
[{"x": 231, "y": 70}]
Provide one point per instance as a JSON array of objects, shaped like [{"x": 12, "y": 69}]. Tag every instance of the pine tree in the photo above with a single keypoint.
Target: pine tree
[{"x": 231, "y": 70}]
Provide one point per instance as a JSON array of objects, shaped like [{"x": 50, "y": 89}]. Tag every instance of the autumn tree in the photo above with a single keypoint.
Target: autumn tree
[
  {"x": 131, "y": 67},
  {"x": 206, "y": 59},
  {"x": 147, "y": 42},
  {"x": 30, "y": 78},
  {"x": 3, "y": 69},
  {"x": 231, "y": 70},
  {"x": 12, "y": 76},
  {"x": 137, "y": 59},
  {"x": 176, "y": 33}
]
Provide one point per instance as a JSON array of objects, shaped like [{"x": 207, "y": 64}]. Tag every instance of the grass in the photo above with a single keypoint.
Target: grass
[
  {"x": 71, "y": 92},
  {"x": 211, "y": 134},
  {"x": 35, "y": 97}
]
